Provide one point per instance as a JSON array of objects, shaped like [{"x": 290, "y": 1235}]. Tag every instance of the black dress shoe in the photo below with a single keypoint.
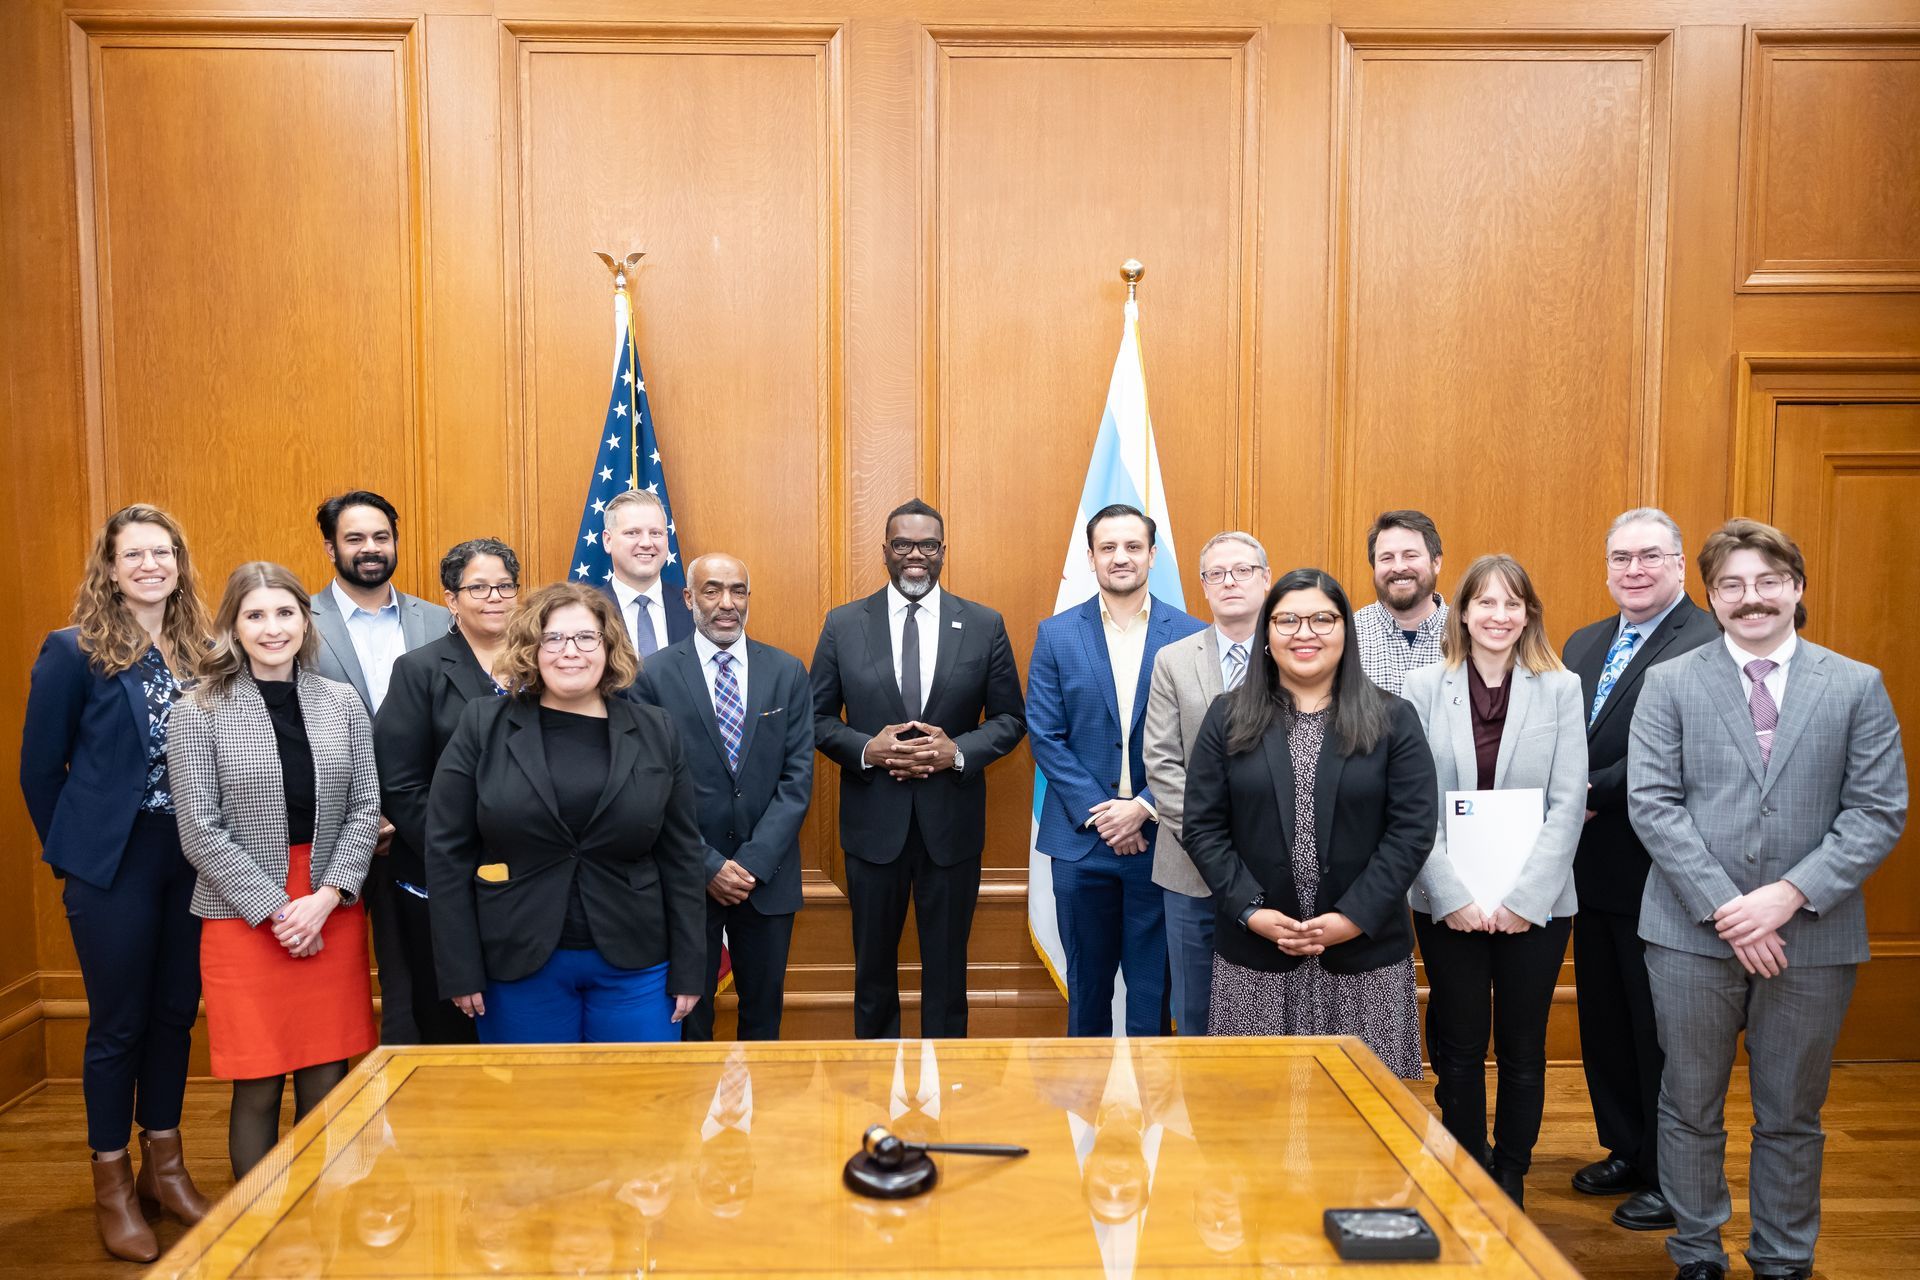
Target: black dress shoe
[
  {"x": 1610, "y": 1177},
  {"x": 1514, "y": 1184},
  {"x": 1795, "y": 1273},
  {"x": 1701, "y": 1271},
  {"x": 1644, "y": 1211}
]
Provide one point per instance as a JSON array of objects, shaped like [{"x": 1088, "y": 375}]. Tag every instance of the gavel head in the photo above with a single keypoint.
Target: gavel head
[{"x": 883, "y": 1148}]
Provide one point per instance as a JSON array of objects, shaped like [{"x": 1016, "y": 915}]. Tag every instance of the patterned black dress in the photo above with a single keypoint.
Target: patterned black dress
[{"x": 1307, "y": 1000}]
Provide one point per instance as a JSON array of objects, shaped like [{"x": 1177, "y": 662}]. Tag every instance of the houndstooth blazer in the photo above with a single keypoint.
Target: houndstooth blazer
[
  {"x": 1821, "y": 813},
  {"x": 232, "y": 809}
]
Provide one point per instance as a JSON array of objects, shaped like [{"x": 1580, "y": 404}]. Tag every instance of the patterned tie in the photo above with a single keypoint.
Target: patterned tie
[
  {"x": 728, "y": 709},
  {"x": 1236, "y": 665},
  {"x": 644, "y": 642},
  {"x": 1617, "y": 659},
  {"x": 910, "y": 663},
  {"x": 1766, "y": 715}
]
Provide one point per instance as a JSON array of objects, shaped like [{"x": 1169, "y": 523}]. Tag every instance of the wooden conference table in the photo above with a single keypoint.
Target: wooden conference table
[{"x": 1149, "y": 1158}]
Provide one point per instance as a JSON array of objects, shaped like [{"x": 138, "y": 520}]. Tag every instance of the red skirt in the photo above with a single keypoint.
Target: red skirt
[{"x": 268, "y": 1013}]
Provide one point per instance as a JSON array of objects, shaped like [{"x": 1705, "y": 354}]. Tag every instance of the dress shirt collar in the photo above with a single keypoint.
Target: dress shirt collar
[
  {"x": 706, "y": 648},
  {"x": 1779, "y": 657},
  {"x": 1146, "y": 607},
  {"x": 897, "y": 603},
  {"x": 345, "y": 603},
  {"x": 1387, "y": 624},
  {"x": 1652, "y": 624},
  {"x": 626, "y": 595}
]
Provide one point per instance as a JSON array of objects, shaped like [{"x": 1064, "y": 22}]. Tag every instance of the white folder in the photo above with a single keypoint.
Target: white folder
[{"x": 1489, "y": 835}]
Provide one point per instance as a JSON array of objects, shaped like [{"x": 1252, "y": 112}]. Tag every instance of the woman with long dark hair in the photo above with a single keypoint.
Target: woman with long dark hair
[
  {"x": 279, "y": 807},
  {"x": 1310, "y": 808},
  {"x": 93, "y": 768}
]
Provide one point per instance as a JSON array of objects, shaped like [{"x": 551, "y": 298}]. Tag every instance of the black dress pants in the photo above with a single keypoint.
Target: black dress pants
[
  {"x": 434, "y": 1020},
  {"x": 757, "y": 947},
  {"x": 139, "y": 948},
  {"x": 381, "y": 897},
  {"x": 943, "y": 899},
  {"x": 1619, "y": 1037},
  {"x": 1498, "y": 986}
]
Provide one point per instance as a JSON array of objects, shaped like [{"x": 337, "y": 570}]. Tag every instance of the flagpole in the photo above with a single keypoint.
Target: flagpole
[{"x": 1131, "y": 270}]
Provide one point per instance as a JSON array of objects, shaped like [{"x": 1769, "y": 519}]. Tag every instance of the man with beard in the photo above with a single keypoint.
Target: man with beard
[
  {"x": 1092, "y": 668},
  {"x": 1766, "y": 777},
  {"x": 364, "y": 626},
  {"x": 1619, "y": 1041},
  {"x": 1401, "y": 631},
  {"x": 915, "y": 693},
  {"x": 745, "y": 717},
  {"x": 634, "y": 530}
]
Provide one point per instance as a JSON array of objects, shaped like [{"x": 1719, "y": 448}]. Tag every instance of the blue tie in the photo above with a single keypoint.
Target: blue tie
[
  {"x": 644, "y": 642},
  {"x": 728, "y": 709},
  {"x": 1617, "y": 659}
]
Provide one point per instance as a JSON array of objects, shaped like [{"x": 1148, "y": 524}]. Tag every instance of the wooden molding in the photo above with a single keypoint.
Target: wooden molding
[{"x": 1765, "y": 380}]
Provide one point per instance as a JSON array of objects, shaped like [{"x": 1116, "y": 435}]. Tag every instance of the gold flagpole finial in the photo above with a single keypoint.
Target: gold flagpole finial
[
  {"x": 620, "y": 267},
  {"x": 1131, "y": 270}
]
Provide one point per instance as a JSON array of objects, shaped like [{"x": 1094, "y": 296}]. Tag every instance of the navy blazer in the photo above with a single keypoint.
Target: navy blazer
[
  {"x": 1074, "y": 717},
  {"x": 753, "y": 817},
  {"x": 83, "y": 759},
  {"x": 672, "y": 604}
]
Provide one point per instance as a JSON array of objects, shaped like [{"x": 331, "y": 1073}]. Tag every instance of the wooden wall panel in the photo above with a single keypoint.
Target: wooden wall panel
[
  {"x": 1498, "y": 252},
  {"x": 248, "y": 206},
  {"x": 1830, "y": 205},
  {"x": 1053, "y": 160}
]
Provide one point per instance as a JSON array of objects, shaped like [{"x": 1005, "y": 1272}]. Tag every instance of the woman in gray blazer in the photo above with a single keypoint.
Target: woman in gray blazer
[
  {"x": 1500, "y": 712},
  {"x": 279, "y": 804}
]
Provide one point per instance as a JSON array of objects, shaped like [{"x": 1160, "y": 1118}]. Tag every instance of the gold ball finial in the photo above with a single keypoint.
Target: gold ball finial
[{"x": 1131, "y": 270}]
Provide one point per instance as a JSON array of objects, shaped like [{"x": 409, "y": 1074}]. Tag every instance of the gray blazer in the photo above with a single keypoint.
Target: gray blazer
[
  {"x": 420, "y": 623},
  {"x": 1543, "y": 744},
  {"x": 227, "y": 796},
  {"x": 1827, "y": 807},
  {"x": 1186, "y": 680}
]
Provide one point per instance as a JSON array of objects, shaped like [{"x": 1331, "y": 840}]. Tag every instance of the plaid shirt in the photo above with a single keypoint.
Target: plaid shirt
[{"x": 1385, "y": 654}]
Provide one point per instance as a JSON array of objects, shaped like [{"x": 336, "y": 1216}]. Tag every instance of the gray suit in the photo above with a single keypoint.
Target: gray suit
[
  {"x": 1821, "y": 814},
  {"x": 420, "y": 624},
  {"x": 1543, "y": 744}
]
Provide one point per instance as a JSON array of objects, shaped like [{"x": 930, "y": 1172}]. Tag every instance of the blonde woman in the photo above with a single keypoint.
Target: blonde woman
[
  {"x": 93, "y": 769},
  {"x": 1500, "y": 712},
  {"x": 279, "y": 806}
]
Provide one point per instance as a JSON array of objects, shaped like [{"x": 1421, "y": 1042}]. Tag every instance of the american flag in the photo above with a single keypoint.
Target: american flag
[{"x": 627, "y": 456}]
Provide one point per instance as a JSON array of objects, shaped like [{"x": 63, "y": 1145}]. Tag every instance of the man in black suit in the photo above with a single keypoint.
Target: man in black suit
[
  {"x": 915, "y": 693},
  {"x": 633, "y": 528},
  {"x": 1619, "y": 1043},
  {"x": 745, "y": 717}
]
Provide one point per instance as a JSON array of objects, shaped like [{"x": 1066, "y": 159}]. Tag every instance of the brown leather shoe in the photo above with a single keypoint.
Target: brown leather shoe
[
  {"x": 116, "y": 1212},
  {"x": 164, "y": 1178}
]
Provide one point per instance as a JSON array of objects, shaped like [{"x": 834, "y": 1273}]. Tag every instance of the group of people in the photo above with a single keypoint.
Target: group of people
[{"x": 549, "y": 806}]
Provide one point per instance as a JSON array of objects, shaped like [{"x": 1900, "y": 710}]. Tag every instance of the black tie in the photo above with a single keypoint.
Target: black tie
[{"x": 910, "y": 662}]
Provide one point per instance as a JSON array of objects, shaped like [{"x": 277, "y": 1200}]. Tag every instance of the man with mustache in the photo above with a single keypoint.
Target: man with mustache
[
  {"x": 364, "y": 625},
  {"x": 745, "y": 717},
  {"x": 1766, "y": 778},
  {"x": 915, "y": 693},
  {"x": 1401, "y": 631}
]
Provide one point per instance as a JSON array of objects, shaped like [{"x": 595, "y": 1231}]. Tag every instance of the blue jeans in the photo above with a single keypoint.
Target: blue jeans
[
  {"x": 1189, "y": 960},
  {"x": 576, "y": 997},
  {"x": 1112, "y": 920}
]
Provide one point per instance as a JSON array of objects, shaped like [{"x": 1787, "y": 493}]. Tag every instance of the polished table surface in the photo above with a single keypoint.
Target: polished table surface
[{"x": 1149, "y": 1158}]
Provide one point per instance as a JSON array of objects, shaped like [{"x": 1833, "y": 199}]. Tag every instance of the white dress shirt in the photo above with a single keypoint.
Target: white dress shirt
[
  {"x": 1126, "y": 650},
  {"x": 378, "y": 639},
  {"x": 1776, "y": 678},
  {"x": 656, "y": 611},
  {"x": 710, "y": 670},
  {"x": 928, "y": 622}
]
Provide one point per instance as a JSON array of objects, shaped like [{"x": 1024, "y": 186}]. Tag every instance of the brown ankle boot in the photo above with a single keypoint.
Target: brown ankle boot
[
  {"x": 164, "y": 1177},
  {"x": 116, "y": 1212}
]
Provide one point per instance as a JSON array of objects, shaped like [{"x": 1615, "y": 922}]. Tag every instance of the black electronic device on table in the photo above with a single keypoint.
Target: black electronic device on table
[{"x": 1381, "y": 1235}]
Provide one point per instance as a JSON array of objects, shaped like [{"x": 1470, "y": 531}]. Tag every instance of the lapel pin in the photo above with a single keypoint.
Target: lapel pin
[
  {"x": 1456, "y": 699},
  {"x": 956, "y": 625}
]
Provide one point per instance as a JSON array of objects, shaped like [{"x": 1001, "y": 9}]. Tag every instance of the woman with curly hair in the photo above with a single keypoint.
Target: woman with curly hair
[{"x": 93, "y": 768}]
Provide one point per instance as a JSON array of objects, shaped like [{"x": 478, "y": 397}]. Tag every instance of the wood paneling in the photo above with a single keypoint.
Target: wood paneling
[
  {"x": 1498, "y": 257},
  {"x": 1827, "y": 203}
]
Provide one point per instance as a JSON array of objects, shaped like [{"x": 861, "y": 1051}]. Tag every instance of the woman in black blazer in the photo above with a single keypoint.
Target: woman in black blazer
[
  {"x": 1311, "y": 934},
  {"x": 93, "y": 770},
  {"x": 564, "y": 862},
  {"x": 430, "y": 688}
]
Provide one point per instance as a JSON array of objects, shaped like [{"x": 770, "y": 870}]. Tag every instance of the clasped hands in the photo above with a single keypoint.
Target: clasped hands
[
  {"x": 1471, "y": 919},
  {"x": 1118, "y": 822},
  {"x": 296, "y": 926},
  {"x": 731, "y": 884},
  {"x": 1302, "y": 937},
  {"x": 917, "y": 756},
  {"x": 1750, "y": 924}
]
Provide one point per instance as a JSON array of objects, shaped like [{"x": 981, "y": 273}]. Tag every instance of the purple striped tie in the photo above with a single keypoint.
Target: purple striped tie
[
  {"x": 728, "y": 709},
  {"x": 1766, "y": 715}
]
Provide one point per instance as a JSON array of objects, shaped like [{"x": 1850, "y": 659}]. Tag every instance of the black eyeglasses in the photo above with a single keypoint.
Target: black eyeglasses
[
  {"x": 1321, "y": 624},
  {"x": 1768, "y": 586},
  {"x": 928, "y": 547},
  {"x": 481, "y": 590},
  {"x": 584, "y": 641}
]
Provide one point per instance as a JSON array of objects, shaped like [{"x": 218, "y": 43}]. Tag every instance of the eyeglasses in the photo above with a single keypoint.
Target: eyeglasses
[
  {"x": 1240, "y": 572},
  {"x": 1322, "y": 624},
  {"x": 1767, "y": 586},
  {"x": 481, "y": 590},
  {"x": 583, "y": 641},
  {"x": 1650, "y": 558},
  {"x": 714, "y": 591},
  {"x": 928, "y": 547},
  {"x": 134, "y": 557}
]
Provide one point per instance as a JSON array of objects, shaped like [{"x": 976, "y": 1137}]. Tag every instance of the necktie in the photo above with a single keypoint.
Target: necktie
[
  {"x": 1236, "y": 666},
  {"x": 910, "y": 662},
  {"x": 644, "y": 642},
  {"x": 728, "y": 709},
  {"x": 1617, "y": 659},
  {"x": 1766, "y": 714}
]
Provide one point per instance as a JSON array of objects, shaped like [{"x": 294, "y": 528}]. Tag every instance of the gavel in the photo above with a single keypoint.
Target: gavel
[
  {"x": 888, "y": 1150},
  {"x": 888, "y": 1167}
]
